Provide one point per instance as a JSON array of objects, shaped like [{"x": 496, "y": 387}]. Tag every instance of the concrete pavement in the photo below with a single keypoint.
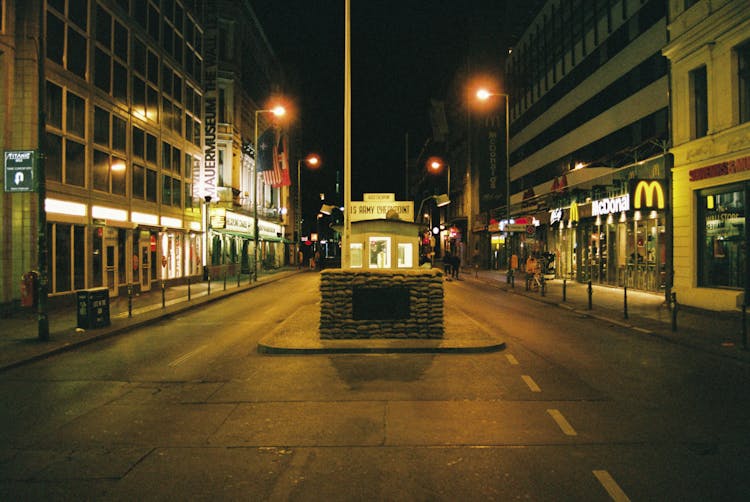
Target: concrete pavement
[{"x": 719, "y": 333}]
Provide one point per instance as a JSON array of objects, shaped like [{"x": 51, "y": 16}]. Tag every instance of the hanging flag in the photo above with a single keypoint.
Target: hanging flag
[
  {"x": 265, "y": 152},
  {"x": 282, "y": 162}
]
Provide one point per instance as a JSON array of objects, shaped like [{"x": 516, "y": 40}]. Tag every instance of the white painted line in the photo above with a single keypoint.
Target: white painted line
[
  {"x": 531, "y": 383},
  {"x": 187, "y": 356},
  {"x": 611, "y": 486},
  {"x": 512, "y": 360},
  {"x": 642, "y": 330},
  {"x": 564, "y": 425}
]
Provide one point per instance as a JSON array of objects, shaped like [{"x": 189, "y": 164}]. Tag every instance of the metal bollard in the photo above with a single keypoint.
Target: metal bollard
[
  {"x": 565, "y": 289},
  {"x": 674, "y": 311},
  {"x": 209, "y": 285},
  {"x": 744, "y": 325},
  {"x": 625, "y": 302},
  {"x": 225, "y": 280},
  {"x": 188, "y": 288},
  {"x": 591, "y": 293},
  {"x": 163, "y": 294},
  {"x": 130, "y": 300}
]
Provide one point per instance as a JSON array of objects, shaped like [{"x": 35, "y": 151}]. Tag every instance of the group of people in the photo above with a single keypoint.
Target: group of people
[{"x": 451, "y": 265}]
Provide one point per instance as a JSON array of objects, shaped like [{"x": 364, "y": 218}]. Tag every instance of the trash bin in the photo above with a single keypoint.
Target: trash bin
[{"x": 93, "y": 308}]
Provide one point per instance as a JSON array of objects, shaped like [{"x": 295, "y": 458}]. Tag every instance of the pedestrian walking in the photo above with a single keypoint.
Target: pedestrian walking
[{"x": 447, "y": 265}]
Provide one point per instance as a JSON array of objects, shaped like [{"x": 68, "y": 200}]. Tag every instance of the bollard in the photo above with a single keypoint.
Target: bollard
[
  {"x": 674, "y": 311},
  {"x": 744, "y": 326},
  {"x": 163, "y": 294},
  {"x": 225, "y": 280},
  {"x": 209, "y": 285},
  {"x": 188, "y": 288},
  {"x": 591, "y": 293},
  {"x": 512, "y": 279},
  {"x": 239, "y": 276},
  {"x": 130, "y": 300},
  {"x": 565, "y": 289},
  {"x": 542, "y": 288},
  {"x": 625, "y": 302}
]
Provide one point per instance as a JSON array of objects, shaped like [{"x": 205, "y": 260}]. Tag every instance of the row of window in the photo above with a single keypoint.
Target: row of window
[
  {"x": 67, "y": 46},
  {"x": 698, "y": 81},
  {"x": 538, "y": 63}
]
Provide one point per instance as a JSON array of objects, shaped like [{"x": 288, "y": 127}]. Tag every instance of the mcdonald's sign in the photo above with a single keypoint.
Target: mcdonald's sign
[{"x": 648, "y": 194}]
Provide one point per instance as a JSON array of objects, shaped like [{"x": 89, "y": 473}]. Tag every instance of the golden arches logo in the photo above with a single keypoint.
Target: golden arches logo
[
  {"x": 650, "y": 190},
  {"x": 573, "y": 212}
]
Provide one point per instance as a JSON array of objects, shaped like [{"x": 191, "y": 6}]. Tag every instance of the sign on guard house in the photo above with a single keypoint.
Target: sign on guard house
[
  {"x": 648, "y": 194},
  {"x": 19, "y": 170}
]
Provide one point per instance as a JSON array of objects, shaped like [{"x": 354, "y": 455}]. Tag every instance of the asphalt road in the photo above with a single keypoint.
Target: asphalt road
[{"x": 573, "y": 409}]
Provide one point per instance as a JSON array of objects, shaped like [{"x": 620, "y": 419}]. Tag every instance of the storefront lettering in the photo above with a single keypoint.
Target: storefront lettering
[
  {"x": 209, "y": 157},
  {"x": 610, "y": 205},
  {"x": 721, "y": 169}
]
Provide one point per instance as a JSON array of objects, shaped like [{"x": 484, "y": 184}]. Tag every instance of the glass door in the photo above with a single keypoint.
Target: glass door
[{"x": 110, "y": 267}]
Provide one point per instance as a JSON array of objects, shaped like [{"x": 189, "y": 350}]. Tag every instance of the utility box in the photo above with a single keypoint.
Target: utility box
[{"x": 93, "y": 308}]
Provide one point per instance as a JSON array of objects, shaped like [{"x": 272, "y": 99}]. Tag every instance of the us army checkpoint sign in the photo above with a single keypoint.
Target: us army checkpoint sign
[{"x": 19, "y": 170}]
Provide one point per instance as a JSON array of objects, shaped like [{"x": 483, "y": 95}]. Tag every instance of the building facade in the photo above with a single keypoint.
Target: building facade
[
  {"x": 242, "y": 76},
  {"x": 588, "y": 96},
  {"x": 122, "y": 103},
  {"x": 709, "y": 52}
]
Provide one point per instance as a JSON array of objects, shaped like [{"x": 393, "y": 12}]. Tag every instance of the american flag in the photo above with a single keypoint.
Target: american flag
[{"x": 273, "y": 160}]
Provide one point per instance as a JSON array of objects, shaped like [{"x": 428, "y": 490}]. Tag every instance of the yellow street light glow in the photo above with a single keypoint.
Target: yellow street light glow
[
  {"x": 483, "y": 94},
  {"x": 279, "y": 111}
]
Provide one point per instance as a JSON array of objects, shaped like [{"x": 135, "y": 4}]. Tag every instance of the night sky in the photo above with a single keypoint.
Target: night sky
[{"x": 403, "y": 53}]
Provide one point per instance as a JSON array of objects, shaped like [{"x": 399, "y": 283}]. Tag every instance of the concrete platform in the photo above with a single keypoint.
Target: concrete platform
[{"x": 299, "y": 335}]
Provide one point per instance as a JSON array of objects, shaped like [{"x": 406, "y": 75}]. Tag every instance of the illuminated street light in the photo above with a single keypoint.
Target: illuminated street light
[
  {"x": 278, "y": 111},
  {"x": 313, "y": 161},
  {"x": 435, "y": 164},
  {"x": 484, "y": 95}
]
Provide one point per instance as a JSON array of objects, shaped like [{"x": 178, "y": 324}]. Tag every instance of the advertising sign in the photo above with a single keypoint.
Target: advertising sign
[
  {"x": 19, "y": 170},
  {"x": 378, "y": 210},
  {"x": 490, "y": 158}
]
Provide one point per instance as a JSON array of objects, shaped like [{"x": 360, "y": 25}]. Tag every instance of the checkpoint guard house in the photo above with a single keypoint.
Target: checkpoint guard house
[{"x": 384, "y": 293}]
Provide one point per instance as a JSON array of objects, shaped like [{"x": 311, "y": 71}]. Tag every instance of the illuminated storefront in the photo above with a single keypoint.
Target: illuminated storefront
[{"x": 614, "y": 233}]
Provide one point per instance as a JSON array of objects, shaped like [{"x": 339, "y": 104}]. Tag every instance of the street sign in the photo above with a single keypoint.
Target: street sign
[{"x": 19, "y": 170}]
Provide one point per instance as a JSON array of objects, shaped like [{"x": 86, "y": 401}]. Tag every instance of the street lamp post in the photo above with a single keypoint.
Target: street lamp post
[
  {"x": 436, "y": 164},
  {"x": 277, "y": 111},
  {"x": 311, "y": 160},
  {"x": 484, "y": 95}
]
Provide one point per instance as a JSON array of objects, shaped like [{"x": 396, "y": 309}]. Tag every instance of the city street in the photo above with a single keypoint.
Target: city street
[{"x": 573, "y": 409}]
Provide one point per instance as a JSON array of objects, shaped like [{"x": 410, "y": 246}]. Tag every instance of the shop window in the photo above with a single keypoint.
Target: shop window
[
  {"x": 743, "y": 73},
  {"x": 380, "y": 252},
  {"x": 699, "y": 102},
  {"x": 405, "y": 255},
  {"x": 356, "y": 255},
  {"x": 62, "y": 260},
  {"x": 723, "y": 237}
]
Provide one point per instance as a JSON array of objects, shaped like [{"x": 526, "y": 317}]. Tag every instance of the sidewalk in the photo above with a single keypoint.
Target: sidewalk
[
  {"x": 19, "y": 342},
  {"x": 718, "y": 333}
]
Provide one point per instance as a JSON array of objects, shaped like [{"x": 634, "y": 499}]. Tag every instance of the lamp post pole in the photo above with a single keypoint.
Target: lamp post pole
[
  {"x": 278, "y": 111},
  {"x": 484, "y": 94},
  {"x": 312, "y": 160}
]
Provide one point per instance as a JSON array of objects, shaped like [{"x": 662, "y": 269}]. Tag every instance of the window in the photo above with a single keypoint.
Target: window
[
  {"x": 722, "y": 225},
  {"x": 405, "y": 255},
  {"x": 54, "y": 105},
  {"x": 356, "y": 254},
  {"x": 67, "y": 245},
  {"x": 139, "y": 182},
  {"x": 743, "y": 73},
  {"x": 76, "y": 115},
  {"x": 380, "y": 252},
  {"x": 699, "y": 102}
]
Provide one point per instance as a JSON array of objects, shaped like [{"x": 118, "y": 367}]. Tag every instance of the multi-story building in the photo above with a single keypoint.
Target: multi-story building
[
  {"x": 709, "y": 52},
  {"x": 588, "y": 97},
  {"x": 122, "y": 102},
  {"x": 242, "y": 77}
]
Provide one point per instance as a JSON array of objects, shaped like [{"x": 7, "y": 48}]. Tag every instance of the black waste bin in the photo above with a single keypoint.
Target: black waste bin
[{"x": 93, "y": 308}]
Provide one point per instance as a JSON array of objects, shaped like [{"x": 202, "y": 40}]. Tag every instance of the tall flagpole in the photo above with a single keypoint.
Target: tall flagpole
[{"x": 345, "y": 249}]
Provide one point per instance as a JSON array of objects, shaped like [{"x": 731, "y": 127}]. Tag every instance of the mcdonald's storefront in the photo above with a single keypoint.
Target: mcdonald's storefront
[{"x": 614, "y": 233}]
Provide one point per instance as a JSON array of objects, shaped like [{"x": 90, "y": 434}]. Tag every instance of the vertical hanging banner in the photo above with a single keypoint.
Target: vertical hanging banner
[
  {"x": 19, "y": 170},
  {"x": 489, "y": 138},
  {"x": 205, "y": 185}
]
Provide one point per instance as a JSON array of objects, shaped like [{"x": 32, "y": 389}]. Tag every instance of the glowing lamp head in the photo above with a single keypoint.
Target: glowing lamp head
[
  {"x": 483, "y": 94},
  {"x": 279, "y": 111}
]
